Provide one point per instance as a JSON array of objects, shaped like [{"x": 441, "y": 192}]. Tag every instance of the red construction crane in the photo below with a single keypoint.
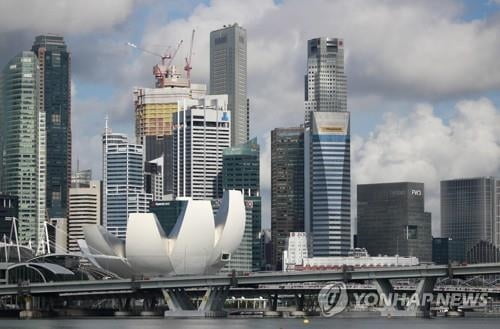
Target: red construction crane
[
  {"x": 188, "y": 66},
  {"x": 163, "y": 70}
]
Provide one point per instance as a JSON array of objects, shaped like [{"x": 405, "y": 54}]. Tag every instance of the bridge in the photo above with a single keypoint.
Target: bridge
[{"x": 173, "y": 289}]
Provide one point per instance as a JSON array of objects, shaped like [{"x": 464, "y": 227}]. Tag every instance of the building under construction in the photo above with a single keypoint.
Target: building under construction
[{"x": 154, "y": 108}]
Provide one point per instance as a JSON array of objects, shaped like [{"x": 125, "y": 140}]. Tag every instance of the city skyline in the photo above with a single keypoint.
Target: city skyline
[{"x": 455, "y": 101}]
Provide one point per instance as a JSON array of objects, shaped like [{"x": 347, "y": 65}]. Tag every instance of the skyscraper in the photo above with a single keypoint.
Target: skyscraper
[
  {"x": 202, "y": 130},
  {"x": 469, "y": 210},
  {"x": 55, "y": 99},
  {"x": 325, "y": 81},
  {"x": 228, "y": 76},
  {"x": 123, "y": 166},
  {"x": 22, "y": 143},
  {"x": 287, "y": 188},
  {"x": 327, "y": 164},
  {"x": 327, "y": 167},
  {"x": 241, "y": 171},
  {"x": 85, "y": 208},
  {"x": 392, "y": 220},
  {"x": 154, "y": 111}
]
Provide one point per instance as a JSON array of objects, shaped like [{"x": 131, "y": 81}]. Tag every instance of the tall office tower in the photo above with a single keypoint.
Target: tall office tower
[
  {"x": 327, "y": 167},
  {"x": 241, "y": 171},
  {"x": 154, "y": 109},
  {"x": 228, "y": 76},
  {"x": 22, "y": 143},
  {"x": 469, "y": 210},
  {"x": 85, "y": 208},
  {"x": 287, "y": 188},
  {"x": 9, "y": 209},
  {"x": 123, "y": 174},
  {"x": 325, "y": 81},
  {"x": 392, "y": 220},
  {"x": 202, "y": 130},
  {"x": 55, "y": 99}
]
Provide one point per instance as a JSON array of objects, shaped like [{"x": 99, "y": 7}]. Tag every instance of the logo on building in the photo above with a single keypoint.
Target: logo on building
[
  {"x": 416, "y": 192},
  {"x": 225, "y": 116},
  {"x": 333, "y": 299}
]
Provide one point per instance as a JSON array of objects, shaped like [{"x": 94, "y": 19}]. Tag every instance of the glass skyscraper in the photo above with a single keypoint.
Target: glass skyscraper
[
  {"x": 327, "y": 167},
  {"x": 22, "y": 143},
  {"x": 287, "y": 188},
  {"x": 241, "y": 171},
  {"x": 123, "y": 174},
  {"x": 327, "y": 164},
  {"x": 392, "y": 220},
  {"x": 469, "y": 210},
  {"x": 228, "y": 76},
  {"x": 55, "y": 100}
]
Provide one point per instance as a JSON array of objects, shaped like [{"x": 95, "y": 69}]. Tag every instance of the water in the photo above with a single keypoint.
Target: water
[{"x": 315, "y": 323}]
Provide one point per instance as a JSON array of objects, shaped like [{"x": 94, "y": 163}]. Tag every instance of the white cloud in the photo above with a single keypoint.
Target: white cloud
[
  {"x": 422, "y": 147},
  {"x": 62, "y": 16},
  {"x": 396, "y": 51}
]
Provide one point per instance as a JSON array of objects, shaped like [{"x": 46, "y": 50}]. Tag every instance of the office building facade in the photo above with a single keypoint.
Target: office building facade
[
  {"x": 446, "y": 251},
  {"x": 325, "y": 81},
  {"x": 154, "y": 110},
  {"x": 54, "y": 98},
  {"x": 392, "y": 220},
  {"x": 327, "y": 164},
  {"x": 327, "y": 195},
  {"x": 202, "y": 131},
  {"x": 241, "y": 171},
  {"x": 23, "y": 144},
  {"x": 469, "y": 210},
  {"x": 85, "y": 208},
  {"x": 123, "y": 175},
  {"x": 228, "y": 76},
  {"x": 287, "y": 188}
]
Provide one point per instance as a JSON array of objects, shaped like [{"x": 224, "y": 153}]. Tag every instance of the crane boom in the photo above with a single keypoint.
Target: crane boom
[{"x": 188, "y": 66}]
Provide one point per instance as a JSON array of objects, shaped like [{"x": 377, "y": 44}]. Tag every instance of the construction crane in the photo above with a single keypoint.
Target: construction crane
[
  {"x": 188, "y": 66},
  {"x": 163, "y": 70}
]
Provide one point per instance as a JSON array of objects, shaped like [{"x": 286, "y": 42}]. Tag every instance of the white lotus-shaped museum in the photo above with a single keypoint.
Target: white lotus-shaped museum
[{"x": 199, "y": 243}]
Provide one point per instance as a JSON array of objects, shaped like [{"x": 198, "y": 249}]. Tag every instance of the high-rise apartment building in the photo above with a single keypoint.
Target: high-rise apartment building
[
  {"x": 22, "y": 143},
  {"x": 327, "y": 167},
  {"x": 228, "y": 76},
  {"x": 287, "y": 188},
  {"x": 85, "y": 208},
  {"x": 241, "y": 171},
  {"x": 469, "y": 210},
  {"x": 123, "y": 174},
  {"x": 154, "y": 110},
  {"x": 392, "y": 220},
  {"x": 54, "y": 98},
  {"x": 325, "y": 81},
  {"x": 202, "y": 130}
]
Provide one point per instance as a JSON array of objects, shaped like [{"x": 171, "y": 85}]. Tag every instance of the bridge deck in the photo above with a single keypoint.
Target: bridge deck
[{"x": 109, "y": 286}]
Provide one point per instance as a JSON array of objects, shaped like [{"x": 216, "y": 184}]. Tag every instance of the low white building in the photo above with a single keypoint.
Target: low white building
[{"x": 296, "y": 257}]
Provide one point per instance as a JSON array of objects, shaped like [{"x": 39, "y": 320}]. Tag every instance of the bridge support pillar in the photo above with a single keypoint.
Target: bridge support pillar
[
  {"x": 420, "y": 303},
  {"x": 180, "y": 305}
]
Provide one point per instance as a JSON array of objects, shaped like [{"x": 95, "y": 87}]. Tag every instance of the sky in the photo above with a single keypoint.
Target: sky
[{"x": 423, "y": 76}]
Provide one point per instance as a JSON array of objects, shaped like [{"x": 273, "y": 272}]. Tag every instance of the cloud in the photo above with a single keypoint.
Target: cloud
[
  {"x": 422, "y": 147},
  {"x": 62, "y": 16}
]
